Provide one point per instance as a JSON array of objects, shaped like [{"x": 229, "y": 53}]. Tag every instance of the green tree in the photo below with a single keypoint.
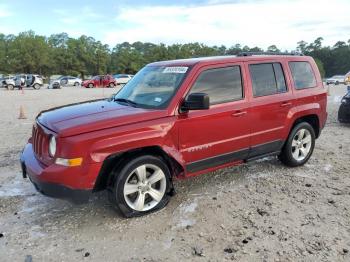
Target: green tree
[
  {"x": 273, "y": 48},
  {"x": 320, "y": 67},
  {"x": 29, "y": 53}
]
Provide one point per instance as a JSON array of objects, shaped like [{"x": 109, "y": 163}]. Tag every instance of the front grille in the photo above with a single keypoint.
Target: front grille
[{"x": 40, "y": 142}]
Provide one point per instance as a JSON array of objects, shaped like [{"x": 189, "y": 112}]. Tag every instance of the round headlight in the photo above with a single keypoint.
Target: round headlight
[{"x": 52, "y": 146}]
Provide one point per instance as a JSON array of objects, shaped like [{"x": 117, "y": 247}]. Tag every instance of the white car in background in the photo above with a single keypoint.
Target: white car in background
[
  {"x": 9, "y": 82},
  {"x": 23, "y": 80},
  {"x": 336, "y": 80},
  {"x": 64, "y": 81},
  {"x": 122, "y": 79}
]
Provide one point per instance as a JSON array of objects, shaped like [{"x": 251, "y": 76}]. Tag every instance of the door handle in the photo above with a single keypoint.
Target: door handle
[
  {"x": 239, "y": 113},
  {"x": 284, "y": 104}
]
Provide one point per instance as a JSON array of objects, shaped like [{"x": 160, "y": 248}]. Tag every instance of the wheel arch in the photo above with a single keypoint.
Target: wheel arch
[
  {"x": 312, "y": 119},
  {"x": 115, "y": 160}
]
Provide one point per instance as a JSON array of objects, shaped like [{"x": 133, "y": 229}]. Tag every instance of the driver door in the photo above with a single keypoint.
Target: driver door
[
  {"x": 106, "y": 81},
  {"x": 220, "y": 134},
  {"x": 97, "y": 81}
]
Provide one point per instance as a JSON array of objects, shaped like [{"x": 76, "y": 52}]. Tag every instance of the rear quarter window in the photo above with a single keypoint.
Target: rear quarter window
[{"x": 303, "y": 75}]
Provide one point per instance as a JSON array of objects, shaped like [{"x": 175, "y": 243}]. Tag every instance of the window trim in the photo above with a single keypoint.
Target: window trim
[
  {"x": 221, "y": 67},
  {"x": 292, "y": 78},
  {"x": 284, "y": 77},
  {"x": 274, "y": 73}
]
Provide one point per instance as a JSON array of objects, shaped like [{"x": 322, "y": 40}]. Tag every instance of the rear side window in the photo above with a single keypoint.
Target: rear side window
[
  {"x": 302, "y": 74},
  {"x": 267, "y": 79},
  {"x": 221, "y": 84}
]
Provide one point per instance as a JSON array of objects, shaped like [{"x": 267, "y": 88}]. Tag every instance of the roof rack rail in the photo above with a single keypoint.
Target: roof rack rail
[{"x": 269, "y": 53}]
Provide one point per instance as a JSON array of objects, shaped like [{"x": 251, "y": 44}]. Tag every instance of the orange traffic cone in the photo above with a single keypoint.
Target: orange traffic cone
[{"x": 21, "y": 113}]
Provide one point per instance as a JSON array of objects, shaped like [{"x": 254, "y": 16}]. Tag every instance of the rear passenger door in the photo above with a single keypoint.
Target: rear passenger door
[
  {"x": 219, "y": 135},
  {"x": 270, "y": 103}
]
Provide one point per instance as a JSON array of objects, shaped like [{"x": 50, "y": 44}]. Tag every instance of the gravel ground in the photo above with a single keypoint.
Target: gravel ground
[{"x": 261, "y": 211}]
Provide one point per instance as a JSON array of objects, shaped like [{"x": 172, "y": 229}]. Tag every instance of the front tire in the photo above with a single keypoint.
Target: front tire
[
  {"x": 141, "y": 186},
  {"x": 90, "y": 86},
  {"x": 299, "y": 146},
  {"x": 76, "y": 84},
  {"x": 111, "y": 85},
  {"x": 36, "y": 86},
  {"x": 10, "y": 87}
]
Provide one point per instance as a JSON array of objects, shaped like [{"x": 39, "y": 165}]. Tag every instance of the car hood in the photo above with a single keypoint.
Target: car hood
[{"x": 94, "y": 115}]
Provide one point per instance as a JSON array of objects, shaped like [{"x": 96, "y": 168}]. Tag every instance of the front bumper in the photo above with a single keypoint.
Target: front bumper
[{"x": 54, "y": 180}]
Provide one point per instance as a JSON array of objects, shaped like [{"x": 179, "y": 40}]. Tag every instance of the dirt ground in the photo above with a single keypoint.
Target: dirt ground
[{"x": 260, "y": 211}]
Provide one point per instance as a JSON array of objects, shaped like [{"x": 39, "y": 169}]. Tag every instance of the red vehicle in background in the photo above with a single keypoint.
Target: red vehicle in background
[{"x": 100, "y": 81}]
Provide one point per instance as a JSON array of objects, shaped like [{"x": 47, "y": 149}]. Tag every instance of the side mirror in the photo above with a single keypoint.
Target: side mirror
[{"x": 196, "y": 101}]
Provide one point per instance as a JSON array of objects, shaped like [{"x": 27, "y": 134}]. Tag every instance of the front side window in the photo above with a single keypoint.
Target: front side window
[
  {"x": 153, "y": 86},
  {"x": 221, "y": 84},
  {"x": 302, "y": 74},
  {"x": 267, "y": 79}
]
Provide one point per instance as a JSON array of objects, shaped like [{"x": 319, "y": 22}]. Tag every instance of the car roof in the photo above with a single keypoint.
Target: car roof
[{"x": 221, "y": 59}]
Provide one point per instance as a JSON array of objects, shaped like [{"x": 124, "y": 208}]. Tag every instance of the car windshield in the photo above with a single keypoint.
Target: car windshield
[{"x": 153, "y": 86}]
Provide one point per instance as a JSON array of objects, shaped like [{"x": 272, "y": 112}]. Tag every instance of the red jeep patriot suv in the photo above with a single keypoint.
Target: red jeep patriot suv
[{"x": 177, "y": 119}]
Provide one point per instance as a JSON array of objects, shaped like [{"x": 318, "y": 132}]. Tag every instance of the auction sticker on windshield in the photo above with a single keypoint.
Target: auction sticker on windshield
[{"x": 176, "y": 69}]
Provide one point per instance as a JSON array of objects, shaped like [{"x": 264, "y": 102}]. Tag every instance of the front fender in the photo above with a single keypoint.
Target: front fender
[{"x": 162, "y": 133}]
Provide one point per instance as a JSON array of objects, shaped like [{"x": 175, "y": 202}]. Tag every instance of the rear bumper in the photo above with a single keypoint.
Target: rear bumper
[{"x": 44, "y": 178}]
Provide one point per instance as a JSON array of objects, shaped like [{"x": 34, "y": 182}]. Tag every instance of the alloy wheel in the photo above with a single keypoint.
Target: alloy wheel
[
  {"x": 144, "y": 187},
  {"x": 301, "y": 144}
]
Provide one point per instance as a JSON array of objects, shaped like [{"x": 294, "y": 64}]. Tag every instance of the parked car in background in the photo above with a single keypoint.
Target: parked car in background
[
  {"x": 344, "y": 109},
  {"x": 3, "y": 79},
  {"x": 336, "y": 80},
  {"x": 35, "y": 81},
  {"x": 177, "y": 119},
  {"x": 100, "y": 81},
  {"x": 122, "y": 79},
  {"x": 64, "y": 81},
  {"x": 23, "y": 80},
  {"x": 54, "y": 85},
  {"x": 70, "y": 81},
  {"x": 9, "y": 82}
]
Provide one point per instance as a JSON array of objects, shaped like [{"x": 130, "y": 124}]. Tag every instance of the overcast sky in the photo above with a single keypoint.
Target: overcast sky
[{"x": 213, "y": 22}]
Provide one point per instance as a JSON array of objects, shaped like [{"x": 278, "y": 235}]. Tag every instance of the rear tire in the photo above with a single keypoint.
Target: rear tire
[
  {"x": 141, "y": 186},
  {"x": 299, "y": 147},
  {"x": 36, "y": 86},
  {"x": 90, "y": 86},
  {"x": 76, "y": 84},
  {"x": 10, "y": 87},
  {"x": 111, "y": 85}
]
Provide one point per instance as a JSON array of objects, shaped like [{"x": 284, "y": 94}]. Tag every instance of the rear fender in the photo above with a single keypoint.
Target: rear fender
[{"x": 299, "y": 112}]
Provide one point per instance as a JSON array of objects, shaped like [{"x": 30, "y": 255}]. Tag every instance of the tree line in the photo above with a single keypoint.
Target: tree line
[{"x": 28, "y": 52}]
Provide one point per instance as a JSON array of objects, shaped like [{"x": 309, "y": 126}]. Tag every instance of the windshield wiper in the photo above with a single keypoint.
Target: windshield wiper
[{"x": 126, "y": 101}]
